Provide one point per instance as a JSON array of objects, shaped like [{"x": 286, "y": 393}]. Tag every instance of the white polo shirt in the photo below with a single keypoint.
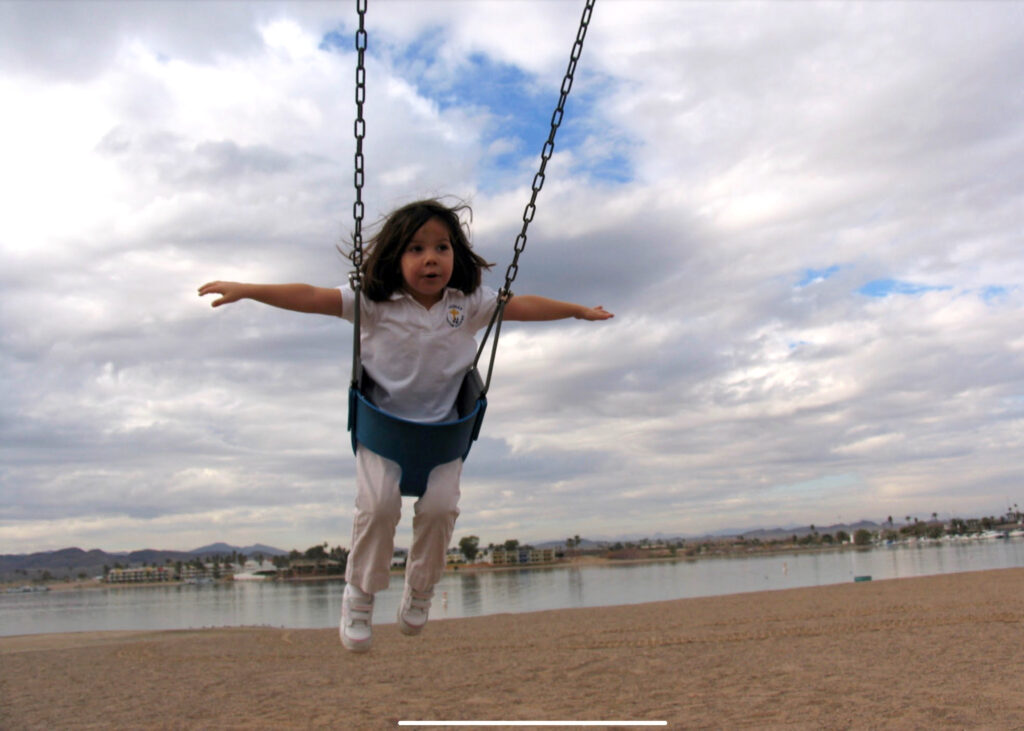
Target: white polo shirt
[{"x": 418, "y": 357}]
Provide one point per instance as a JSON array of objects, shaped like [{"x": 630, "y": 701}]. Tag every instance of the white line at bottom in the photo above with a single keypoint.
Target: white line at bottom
[{"x": 533, "y": 723}]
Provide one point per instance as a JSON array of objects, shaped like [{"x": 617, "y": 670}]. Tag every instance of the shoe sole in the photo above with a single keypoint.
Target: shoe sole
[
  {"x": 408, "y": 629},
  {"x": 355, "y": 645}
]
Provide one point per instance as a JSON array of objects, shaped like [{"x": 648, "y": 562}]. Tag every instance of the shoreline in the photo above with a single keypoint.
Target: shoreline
[
  {"x": 575, "y": 561},
  {"x": 581, "y": 560},
  {"x": 926, "y": 652}
]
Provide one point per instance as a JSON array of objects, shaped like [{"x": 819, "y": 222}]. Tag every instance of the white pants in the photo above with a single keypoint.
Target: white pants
[{"x": 378, "y": 510}]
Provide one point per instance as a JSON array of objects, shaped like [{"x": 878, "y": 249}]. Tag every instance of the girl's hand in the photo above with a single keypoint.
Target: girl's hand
[
  {"x": 295, "y": 297},
  {"x": 594, "y": 313},
  {"x": 229, "y": 291}
]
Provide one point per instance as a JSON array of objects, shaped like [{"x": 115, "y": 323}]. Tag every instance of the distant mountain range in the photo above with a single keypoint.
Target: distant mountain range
[
  {"x": 73, "y": 562},
  {"x": 224, "y": 549},
  {"x": 774, "y": 534}
]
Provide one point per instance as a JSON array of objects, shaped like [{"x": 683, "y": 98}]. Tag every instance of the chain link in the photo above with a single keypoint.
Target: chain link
[
  {"x": 360, "y": 133},
  {"x": 548, "y": 150},
  {"x": 355, "y": 277}
]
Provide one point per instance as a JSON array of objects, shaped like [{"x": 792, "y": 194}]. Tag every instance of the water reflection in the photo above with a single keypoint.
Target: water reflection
[
  {"x": 468, "y": 593},
  {"x": 576, "y": 586}
]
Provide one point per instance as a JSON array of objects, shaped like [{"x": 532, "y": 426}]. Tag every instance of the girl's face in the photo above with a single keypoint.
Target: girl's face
[{"x": 427, "y": 262}]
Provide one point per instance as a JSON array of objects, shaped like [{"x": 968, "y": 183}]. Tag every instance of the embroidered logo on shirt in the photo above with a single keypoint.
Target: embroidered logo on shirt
[{"x": 455, "y": 315}]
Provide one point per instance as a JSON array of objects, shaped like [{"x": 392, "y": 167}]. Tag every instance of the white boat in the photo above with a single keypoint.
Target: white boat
[{"x": 249, "y": 576}]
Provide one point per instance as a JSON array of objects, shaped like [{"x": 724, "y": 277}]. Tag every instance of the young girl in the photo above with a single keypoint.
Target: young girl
[{"x": 422, "y": 303}]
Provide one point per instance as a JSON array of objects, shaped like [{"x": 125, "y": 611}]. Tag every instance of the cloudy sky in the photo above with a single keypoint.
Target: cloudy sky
[{"x": 806, "y": 217}]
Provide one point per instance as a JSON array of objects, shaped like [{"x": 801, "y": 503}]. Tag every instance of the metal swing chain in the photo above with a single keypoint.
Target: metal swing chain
[
  {"x": 356, "y": 276},
  {"x": 505, "y": 293}
]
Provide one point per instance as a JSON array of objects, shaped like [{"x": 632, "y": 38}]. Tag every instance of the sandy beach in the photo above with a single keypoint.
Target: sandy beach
[{"x": 932, "y": 652}]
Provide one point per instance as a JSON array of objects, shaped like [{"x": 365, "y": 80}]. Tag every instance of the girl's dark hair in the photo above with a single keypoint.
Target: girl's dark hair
[{"x": 382, "y": 271}]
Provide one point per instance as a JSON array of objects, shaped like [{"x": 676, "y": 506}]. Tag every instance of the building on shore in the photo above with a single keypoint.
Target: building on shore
[
  {"x": 140, "y": 574},
  {"x": 192, "y": 573},
  {"x": 310, "y": 567},
  {"x": 521, "y": 556}
]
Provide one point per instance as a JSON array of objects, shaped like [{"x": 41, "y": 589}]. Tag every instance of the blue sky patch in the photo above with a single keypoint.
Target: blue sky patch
[
  {"x": 817, "y": 275},
  {"x": 517, "y": 107},
  {"x": 886, "y": 287},
  {"x": 337, "y": 39},
  {"x": 994, "y": 293}
]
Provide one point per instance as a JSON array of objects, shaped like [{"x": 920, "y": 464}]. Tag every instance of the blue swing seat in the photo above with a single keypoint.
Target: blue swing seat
[{"x": 417, "y": 447}]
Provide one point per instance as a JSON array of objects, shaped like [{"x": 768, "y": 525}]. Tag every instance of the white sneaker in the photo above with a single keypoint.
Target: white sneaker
[
  {"x": 412, "y": 612},
  {"x": 356, "y": 616}
]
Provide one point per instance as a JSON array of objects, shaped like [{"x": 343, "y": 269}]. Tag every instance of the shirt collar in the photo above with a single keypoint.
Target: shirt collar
[{"x": 399, "y": 294}]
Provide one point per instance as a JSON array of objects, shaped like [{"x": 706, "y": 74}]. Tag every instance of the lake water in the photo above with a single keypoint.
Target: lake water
[{"x": 468, "y": 594}]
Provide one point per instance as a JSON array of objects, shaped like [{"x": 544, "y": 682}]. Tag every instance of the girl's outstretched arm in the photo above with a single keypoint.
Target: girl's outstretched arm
[
  {"x": 297, "y": 297},
  {"x": 531, "y": 308}
]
